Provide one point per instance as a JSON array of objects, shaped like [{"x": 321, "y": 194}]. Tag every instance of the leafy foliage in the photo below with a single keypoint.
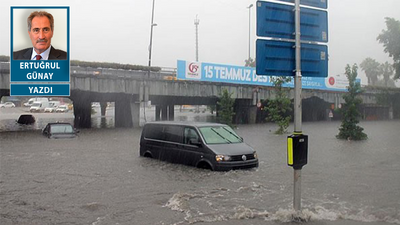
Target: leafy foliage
[
  {"x": 387, "y": 72},
  {"x": 350, "y": 118},
  {"x": 225, "y": 111},
  {"x": 279, "y": 107},
  {"x": 212, "y": 108},
  {"x": 250, "y": 63},
  {"x": 390, "y": 39}
]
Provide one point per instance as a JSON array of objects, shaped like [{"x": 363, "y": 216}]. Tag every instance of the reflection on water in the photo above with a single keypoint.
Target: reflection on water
[{"x": 103, "y": 122}]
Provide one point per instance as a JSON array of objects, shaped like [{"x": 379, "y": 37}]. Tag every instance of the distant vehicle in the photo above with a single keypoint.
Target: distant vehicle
[
  {"x": 59, "y": 130},
  {"x": 31, "y": 100},
  {"x": 52, "y": 106},
  {"x": 204, "y": 145},
  {"x": 54, "y": 103},
  {"x": 7, "y": 105},
  {"x": 62, "y": 108},
  {"x": 26, "y": 119},
  {"x": 50, "y": 109},
  {"x": 39, "y": 106}
]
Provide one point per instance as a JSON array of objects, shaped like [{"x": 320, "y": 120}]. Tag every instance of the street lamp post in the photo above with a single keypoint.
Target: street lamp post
[
  {"x": 196, "y": 23},
  {"x": 145, "y": 86},
  {"x": 249, "y": 7},
  {"x": 151, "y": 35}
]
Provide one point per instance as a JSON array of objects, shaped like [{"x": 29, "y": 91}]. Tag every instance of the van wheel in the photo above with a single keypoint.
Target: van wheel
[
  {"x": 204, "y": 165},
  {"x": 148, "y": 155}
]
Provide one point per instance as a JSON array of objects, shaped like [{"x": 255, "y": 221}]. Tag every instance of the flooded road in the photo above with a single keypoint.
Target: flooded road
[{"x": 99, "y": 179}]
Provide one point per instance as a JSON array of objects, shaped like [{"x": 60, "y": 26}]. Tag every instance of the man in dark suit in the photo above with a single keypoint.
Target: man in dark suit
[{"x": 40, "y": 30}]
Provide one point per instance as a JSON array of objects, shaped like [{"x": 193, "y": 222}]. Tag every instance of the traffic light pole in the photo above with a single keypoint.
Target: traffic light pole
[{"x": 297, "y": 106}]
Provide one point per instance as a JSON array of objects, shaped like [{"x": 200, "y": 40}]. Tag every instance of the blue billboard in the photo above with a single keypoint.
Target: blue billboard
[
  {"x": 277, "y": 21},
  {"x": 277, "y": 58},
  {"x": 210, "y": 72}
]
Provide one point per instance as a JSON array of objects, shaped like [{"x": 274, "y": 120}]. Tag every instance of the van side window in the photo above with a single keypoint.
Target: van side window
[
  {"x": 173, "y": 134},
  {"x": 190, "y": 134},
  {"x": 154, "y": 132}
]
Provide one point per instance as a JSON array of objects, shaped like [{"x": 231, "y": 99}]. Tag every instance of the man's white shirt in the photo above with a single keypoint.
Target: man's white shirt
[{"x": 45, "y": 54}]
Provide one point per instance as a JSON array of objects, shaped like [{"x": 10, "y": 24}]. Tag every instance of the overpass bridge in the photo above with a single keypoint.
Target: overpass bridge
[{"x": 129, "y": 88}]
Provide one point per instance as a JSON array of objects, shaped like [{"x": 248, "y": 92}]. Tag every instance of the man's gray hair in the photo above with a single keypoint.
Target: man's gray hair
[{"x": 39, "y": 14}]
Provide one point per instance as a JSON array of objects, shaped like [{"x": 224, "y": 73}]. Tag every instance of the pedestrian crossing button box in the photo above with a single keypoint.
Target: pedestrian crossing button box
[{"x": 297, "y": 146}]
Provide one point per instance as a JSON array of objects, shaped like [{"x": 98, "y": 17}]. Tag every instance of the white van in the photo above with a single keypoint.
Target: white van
[
  {"x": 31, "y": 100},
  {"x": 39, "y": 106}
]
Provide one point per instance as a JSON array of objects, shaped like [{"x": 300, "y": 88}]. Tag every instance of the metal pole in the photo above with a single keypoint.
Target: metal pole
[
  {"x": 297, "y": 190},
  {"x": 251, "y": 5},
  {"x": 151, "y": 35},
  {"x": 196, "y": 23},
  {"x": 297, "y": 106},
  {"x": 149, "y": 65}
]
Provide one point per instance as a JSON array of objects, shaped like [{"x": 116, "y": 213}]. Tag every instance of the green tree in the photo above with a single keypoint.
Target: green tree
[
  {"x": 387, "y": 72},
  {"x": 225, "y": 110},
  {"x": 372, "y": 70},
  {"x": 279, "y": 107},
  {"x": 390, "y": 39},
  {"x": 349, "y": 129},
  {"x": 212, "y": 108},
  {"x": 250, "y": 62}
]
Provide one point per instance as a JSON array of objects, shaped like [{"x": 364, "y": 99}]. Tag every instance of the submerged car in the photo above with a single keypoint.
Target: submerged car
[
  {"x": 26, "y": 119},
  {"x": 204, "y": 145},
  {"x": 59, "y": 130}
]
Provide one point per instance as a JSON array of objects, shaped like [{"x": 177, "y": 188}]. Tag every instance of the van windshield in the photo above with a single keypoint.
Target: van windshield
[{"x": 220, "y": 135}]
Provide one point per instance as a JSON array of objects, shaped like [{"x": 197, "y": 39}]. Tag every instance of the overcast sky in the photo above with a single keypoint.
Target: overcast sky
[{"x": 119, "y": 30}]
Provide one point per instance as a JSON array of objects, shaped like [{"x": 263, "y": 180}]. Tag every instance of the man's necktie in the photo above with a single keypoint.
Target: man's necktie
[{"x": 38, "y": 57}]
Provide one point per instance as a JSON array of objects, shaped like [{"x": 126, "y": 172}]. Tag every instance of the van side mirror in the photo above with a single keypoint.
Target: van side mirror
[{"x": 195, "y": 141}]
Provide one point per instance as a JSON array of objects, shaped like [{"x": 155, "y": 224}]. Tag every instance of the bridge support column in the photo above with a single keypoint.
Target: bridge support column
[
  {"x": 135, "y": 113},
  {"x": 103, "y": 107},
  {"x": 158, "y": 113},
  {"x": 127, "y": 113},
  {"x": 82, "y": 113},
  {"x": 171, "y": 112},
  {"x": 252, "y": 111},
  {"x": 164, "y": 112},
  {"x": 245, "y": 112}
]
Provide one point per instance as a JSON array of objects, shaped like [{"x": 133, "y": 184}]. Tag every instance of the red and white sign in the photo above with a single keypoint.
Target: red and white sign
[
  {"x": 193, "y": 70},
  {"x": 337, "y": 82}
]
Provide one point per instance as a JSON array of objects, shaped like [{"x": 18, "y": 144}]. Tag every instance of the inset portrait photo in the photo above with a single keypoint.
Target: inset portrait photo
[{"x": 39, "y": 33}]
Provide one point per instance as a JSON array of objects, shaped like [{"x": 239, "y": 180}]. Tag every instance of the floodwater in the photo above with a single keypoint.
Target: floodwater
[{"x": 98, "y": 178}]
